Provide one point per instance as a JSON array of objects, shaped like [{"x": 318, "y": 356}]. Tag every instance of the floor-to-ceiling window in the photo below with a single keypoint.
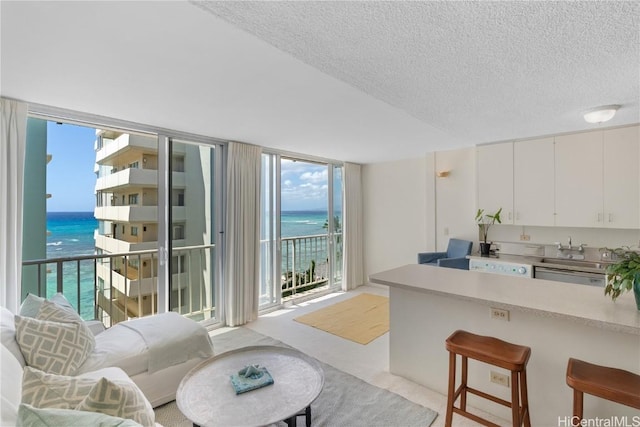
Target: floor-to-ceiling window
[
  {"x": 96, "y": 225},
  {"x": 301, "y": 228},
  {"x": 194, "y": 219}
]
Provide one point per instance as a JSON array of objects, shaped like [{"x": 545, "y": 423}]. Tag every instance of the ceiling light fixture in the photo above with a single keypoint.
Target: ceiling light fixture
[{"x": 600, "y": 114}]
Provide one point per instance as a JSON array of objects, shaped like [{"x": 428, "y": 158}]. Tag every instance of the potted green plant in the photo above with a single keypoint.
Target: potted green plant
[
  {"x": 484, "y": 221},
  {"x": 624, "y": 274}
]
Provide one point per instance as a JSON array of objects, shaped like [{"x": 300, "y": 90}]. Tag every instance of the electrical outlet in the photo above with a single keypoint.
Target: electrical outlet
[
  {"x": 499, "y": 378},
  {"x": 446, "y": 231},
  {"x": 525, "y": 237},
  {"x": 500, "y": 314}
]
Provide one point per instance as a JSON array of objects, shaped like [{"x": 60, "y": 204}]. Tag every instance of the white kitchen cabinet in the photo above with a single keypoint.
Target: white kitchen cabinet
[
  {"x": 579, "y": 180},
  {"x": 533, "y": 182},
  {"x": 495, "y": 179},
  {"x": 622, "y": 177}
]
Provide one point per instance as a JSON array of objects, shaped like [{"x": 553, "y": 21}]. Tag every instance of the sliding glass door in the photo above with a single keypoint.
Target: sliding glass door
[
  {"x": 193, "y": 220},
  {"x": 301, "y": 228},
  {"x": 124, "y": 223}
]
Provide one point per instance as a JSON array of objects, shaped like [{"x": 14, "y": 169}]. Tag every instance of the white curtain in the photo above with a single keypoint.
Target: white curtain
[
  {"x": 242, "y": 234},
  {"x": 12, "y": 151},
  {"x": 353, "y": 243}
]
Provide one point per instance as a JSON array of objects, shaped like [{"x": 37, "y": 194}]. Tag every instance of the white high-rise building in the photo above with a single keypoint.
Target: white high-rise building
[{"x": 127, "y": 213}]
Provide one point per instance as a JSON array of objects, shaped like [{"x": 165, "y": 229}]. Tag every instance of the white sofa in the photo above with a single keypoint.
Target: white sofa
[{"x": 120, "y": 353}]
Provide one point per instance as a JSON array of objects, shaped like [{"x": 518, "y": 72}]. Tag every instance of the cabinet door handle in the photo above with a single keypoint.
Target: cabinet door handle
[
  {"x": 599, "y": 217},
  {"x": 610, "y": 217}
]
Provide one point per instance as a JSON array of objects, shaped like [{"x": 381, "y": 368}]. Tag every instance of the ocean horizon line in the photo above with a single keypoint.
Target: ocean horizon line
[{"x": 283, "y": 211}]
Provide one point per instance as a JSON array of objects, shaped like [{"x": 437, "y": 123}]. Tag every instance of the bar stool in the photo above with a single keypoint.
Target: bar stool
[
  {"x": 493, "y": 352},
  {"x": 607, "y": 383}
]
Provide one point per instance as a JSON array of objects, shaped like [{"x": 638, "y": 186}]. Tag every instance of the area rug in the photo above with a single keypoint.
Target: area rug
[
  {"x": 361, "y": 319},
  {"x": 344, "y": 401}
]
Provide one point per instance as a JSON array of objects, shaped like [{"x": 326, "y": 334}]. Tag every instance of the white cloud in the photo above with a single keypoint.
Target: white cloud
[
  {"x": 315, "y": 176},
  {"x": 304, "y": 185}
]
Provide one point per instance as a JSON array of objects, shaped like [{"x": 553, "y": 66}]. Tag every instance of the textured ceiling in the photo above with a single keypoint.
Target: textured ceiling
[
  {"x": 479, "y": 71},
  {"x": 359, "y": 81}
]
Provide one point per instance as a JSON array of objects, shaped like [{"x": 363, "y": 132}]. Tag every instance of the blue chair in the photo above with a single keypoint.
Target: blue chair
[{"x": 455, "y": 257}]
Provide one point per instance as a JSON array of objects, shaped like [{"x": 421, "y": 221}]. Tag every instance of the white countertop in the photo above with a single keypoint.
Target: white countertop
[{"x": 584, "y": 304}]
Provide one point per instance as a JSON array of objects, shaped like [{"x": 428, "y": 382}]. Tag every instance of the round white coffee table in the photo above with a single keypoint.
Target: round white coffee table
[{"x": 207, "y": 398}]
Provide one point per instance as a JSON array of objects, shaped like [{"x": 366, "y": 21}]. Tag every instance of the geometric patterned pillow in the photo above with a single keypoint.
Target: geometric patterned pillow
[
  {"x": 42, "y": 390},
  {"x": 119, "y": 399},
  {"x": 58, "y": 348},
  {"x": 56, "y": 313}
]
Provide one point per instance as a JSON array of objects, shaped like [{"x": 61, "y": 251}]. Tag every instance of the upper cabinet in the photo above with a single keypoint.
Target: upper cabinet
[
  {"x": 621, "y": 177},
  {"x": 495, "y": 179},
  {"x": 588, "y": 179},
  {"x": 578, "y": 181},
  {"x": 533, "y": 182}
]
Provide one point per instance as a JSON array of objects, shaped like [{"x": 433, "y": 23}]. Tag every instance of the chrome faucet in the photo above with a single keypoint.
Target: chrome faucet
[{"x": 569, "y": 240}]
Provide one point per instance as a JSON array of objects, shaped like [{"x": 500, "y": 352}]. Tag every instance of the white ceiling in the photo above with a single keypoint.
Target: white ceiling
[{"x": 358, "y": 81}]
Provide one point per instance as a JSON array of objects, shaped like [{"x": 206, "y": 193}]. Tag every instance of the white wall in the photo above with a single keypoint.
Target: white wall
[
  {"x": 394, "y": 200},
  {"x": 455, "y": 197}
]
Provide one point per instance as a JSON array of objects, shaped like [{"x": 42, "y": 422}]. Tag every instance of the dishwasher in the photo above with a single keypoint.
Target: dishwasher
[{"x": 570, "y": 276}]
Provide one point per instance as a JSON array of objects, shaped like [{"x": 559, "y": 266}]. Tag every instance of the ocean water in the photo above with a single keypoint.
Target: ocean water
[
  {"x": 302, "y": 223},
  {"x": 71, "y": 235}
]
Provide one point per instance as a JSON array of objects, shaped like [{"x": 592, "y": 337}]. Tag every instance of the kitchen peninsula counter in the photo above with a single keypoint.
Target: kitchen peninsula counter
[
  {"x": 580, "y": 303},
  {"x": 557, "y": 320}
]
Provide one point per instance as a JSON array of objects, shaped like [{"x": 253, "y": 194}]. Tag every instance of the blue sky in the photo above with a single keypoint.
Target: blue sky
[
  {"x": 71, "y": 179},
  {"x": 304, "y": 186}
]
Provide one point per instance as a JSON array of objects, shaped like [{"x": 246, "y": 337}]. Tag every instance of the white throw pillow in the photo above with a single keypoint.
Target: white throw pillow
[
  {"x": 59, "y": 348},
  {"x": 10, "y": 387},
  {"x": 119, "y": 400},
  {"x": 8, "y": 334},
  {"x": 31, "y": 305},
  {"x": 28, "y": 416},
  {"x": 43, "y": 390}
]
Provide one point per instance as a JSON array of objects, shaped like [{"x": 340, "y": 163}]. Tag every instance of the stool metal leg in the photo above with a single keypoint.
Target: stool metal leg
[
  {"x": 452, "y": 386},
  {"x": 307, "y": 413}
]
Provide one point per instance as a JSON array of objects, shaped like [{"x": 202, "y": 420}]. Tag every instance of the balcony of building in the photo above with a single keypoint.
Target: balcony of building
[
  {"x": 136, "y": 213},
  {"x": 128, "y": 177},
  {"x": 110, "y": 245},
  {"x": 127, "y": 213},
  {"x": 124, "y": 144},
  {"x": 136, "y": 177}
]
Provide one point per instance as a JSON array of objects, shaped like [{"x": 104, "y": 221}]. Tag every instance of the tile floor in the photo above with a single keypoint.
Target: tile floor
[{"x": 369, "y": 362}]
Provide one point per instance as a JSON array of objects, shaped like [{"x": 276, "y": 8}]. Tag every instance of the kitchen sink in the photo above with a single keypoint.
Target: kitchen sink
[{"x": 575, "y": 263}]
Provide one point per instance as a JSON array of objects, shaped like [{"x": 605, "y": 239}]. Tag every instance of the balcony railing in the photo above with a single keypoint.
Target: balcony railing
[
  {"x": 121, "y": 286},
  {"x": 305, "y": 264}
]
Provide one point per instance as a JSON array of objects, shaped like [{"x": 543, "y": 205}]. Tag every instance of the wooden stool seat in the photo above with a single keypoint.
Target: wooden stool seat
[
  {"x": 489, "y": 350},
  {"x": 495, "y": 352},
  {"x": 607, "y": 383}
]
